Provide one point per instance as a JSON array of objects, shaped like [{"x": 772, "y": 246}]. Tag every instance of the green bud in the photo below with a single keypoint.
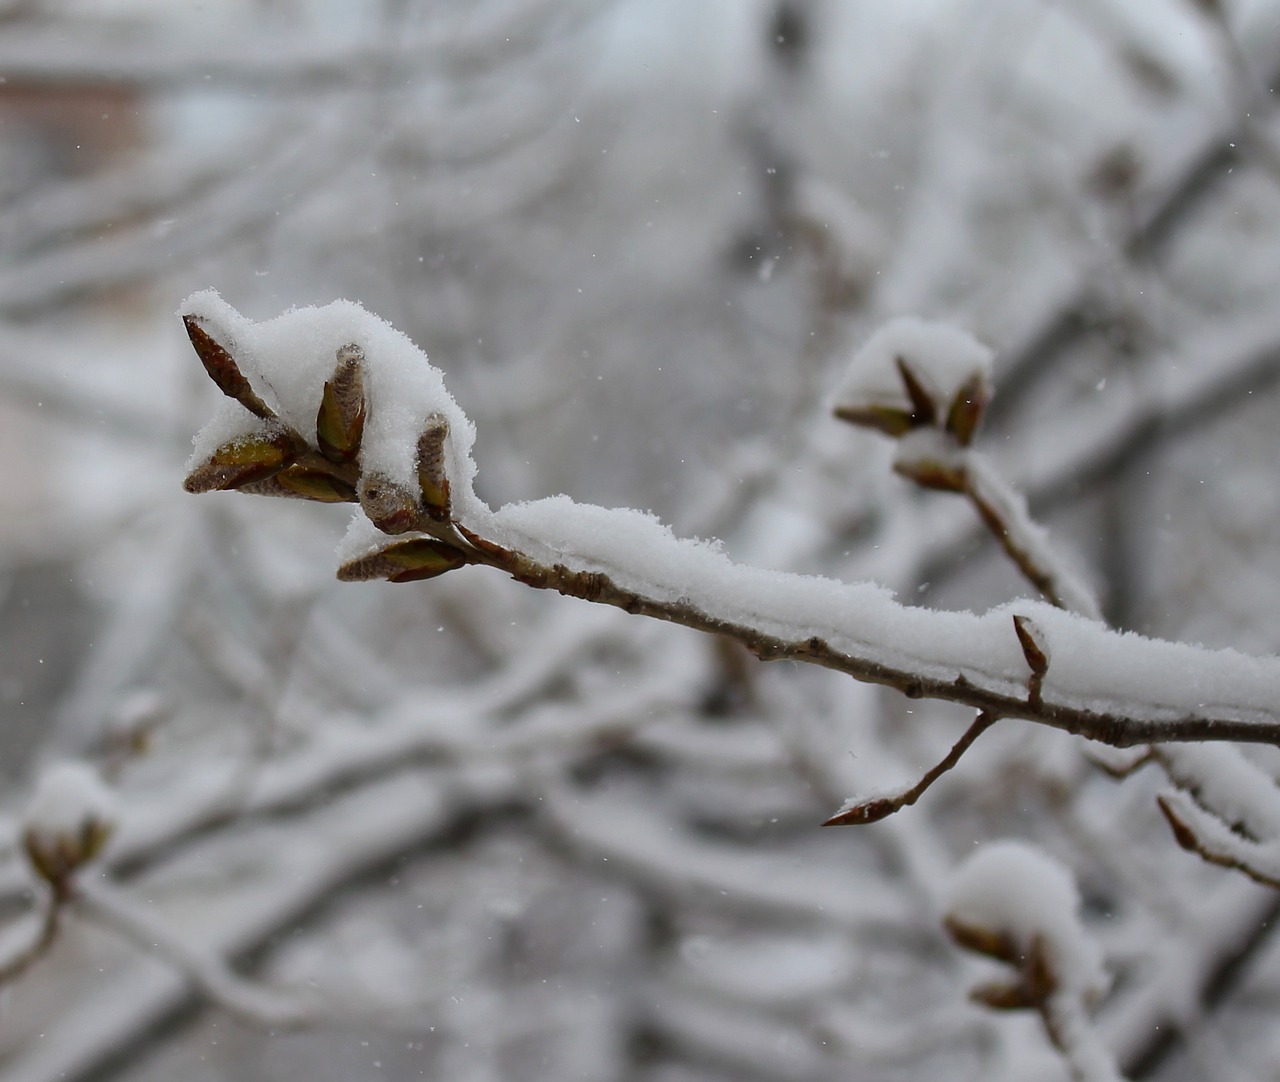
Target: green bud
[
  {"x": 340, "y": 418},
  {"x": 243, "y": 461},
  {"x": 433, "y": 480},
  {"x": 404, "y": 561},
  {"x": 315, "y": 484}
]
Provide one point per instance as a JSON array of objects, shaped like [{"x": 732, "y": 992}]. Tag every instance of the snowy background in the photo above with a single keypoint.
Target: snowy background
[{"x": 481, "y": 832}]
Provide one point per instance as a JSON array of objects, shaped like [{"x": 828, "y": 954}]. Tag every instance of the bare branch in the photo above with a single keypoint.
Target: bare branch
[{"x": 876, "y": 808}]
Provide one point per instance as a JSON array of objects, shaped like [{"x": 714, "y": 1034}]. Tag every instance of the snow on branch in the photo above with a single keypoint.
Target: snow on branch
[{"x": 333, "y": 404}]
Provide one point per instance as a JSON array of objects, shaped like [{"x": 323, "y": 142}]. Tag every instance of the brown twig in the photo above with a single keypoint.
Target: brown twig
[
  {"x": 877, "y": 808},
  {"x": 52, "y": 902}
]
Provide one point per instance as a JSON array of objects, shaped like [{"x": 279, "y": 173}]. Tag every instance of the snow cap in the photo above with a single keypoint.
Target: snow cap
[{"x": 1015, "y": 890}]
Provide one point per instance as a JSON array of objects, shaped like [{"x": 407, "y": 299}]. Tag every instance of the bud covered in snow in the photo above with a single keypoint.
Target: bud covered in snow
[
  {"x": 389, "y": 505},
  {"x": 133, "y": 718},
  {"x": 340, "y": 418},
  {"x": 67, "y": 822},
  {"x": 357, "y": 414},
  {"x": 929, "y": 459},
  {"x": 1016, "y": 904},
  {"x": 914, "y": 374},
  {"x": 224, "y": 371},
  {"x": 433, "y": 480},
  {"x": 403, "y": 561},
  {"x": 242, "y": 460}
]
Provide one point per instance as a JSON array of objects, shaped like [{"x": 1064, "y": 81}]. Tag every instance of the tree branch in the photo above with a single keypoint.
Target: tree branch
[{"x": 421, "y": 518}]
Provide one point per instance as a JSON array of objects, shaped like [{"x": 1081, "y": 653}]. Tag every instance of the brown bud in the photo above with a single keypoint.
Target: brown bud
[
  {"x": 242, "y": 461},
  {"x": 489, "y": 548},
  {"x": 224, "y": 371},
  {"x": 1001, "y": 996},
  {"x": 404, "y": 561},
  {"x": 932, "y": 473},
  {"x": 1037, "y": 971},
  {"x": 989, "y": 941},
  {"x": 1035, "y": 648},
  {"x": 314, "y": 484},
  {"x": 886, "y": 419},
  {"x": 390, "y": 506},
  {"x": 433, "y": 480},
  {"x": 1182, "y": 832},
  {"x": 926, "y": 409},
  {"x": 340, "y": 418},
  {"x": 869, "y": 811},
  {"x": 967, "y": 408},
  {"x": 55, "y": 858}
]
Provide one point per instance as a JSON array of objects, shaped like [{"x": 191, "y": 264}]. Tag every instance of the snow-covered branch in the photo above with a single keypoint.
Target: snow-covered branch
[{"x": 334, "y": 405}]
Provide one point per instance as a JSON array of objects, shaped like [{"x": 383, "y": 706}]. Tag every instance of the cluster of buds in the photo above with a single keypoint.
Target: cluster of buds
[
  {"x": 67, "y": 823},
  {"x": 1033, "y": 980},
  {"x": 1017, "y": 906},
  {"x": 325, "y": 464},
  {"x": 1014, "y": 904},
  {"x": 926, "y": 385}
]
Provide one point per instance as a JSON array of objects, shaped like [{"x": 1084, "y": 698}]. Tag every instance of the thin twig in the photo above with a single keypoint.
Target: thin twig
[
  {"x": 46, "y": 933},
  {"x": 1004, "y": 514},
  {"x": 877, "y": 808}
]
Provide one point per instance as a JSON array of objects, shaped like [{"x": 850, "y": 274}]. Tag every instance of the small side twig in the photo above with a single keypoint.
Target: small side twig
[
  {"x": 1004, "y": 513},
  {"x": 18, "y": 959},
  {"x": 877, "y": 808}
]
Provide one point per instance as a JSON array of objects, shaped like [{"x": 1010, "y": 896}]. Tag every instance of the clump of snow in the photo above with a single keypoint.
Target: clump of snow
[
  {"x": 1013, "y": 888},
  {"x": 70, "y": 801},
  {"x": 942, "y": 356},
  {"x": 288, "y": 359},
  {"x": 929, "y": 451}
]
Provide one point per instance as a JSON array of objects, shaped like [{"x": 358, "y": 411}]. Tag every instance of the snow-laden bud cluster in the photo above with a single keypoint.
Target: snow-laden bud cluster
[
  {"x": 914, "y": 375},
  {"x": 335, "y": 405},
  {"x": 68, "y": 820},
  {"x": 1016, "y": 904}
]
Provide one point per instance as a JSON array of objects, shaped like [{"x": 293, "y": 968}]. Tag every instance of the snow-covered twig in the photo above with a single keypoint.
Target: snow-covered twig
[
  {"x": 872, "y": 809},
  {"x": 927, "y": 385},
  {"x": 1004, "y": 512},
  {"x": 1224, "y": 808}
]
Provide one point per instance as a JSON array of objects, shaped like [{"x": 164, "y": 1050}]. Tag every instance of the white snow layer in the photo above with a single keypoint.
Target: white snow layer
[
  {"x": 288, "y": 359},
  {"x": 69, "y": 796},
  {"x": 943, "y": 356},
  {"x": 1014, "y": 888}
]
